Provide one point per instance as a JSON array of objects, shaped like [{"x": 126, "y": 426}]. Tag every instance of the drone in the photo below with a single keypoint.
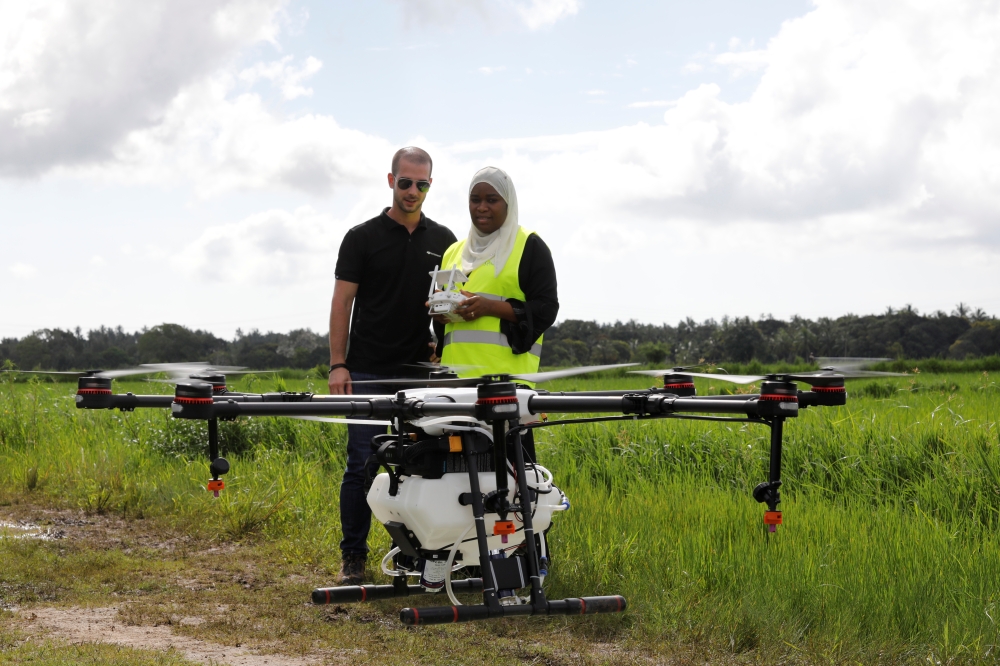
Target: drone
[{"x": 457, "y": 491}]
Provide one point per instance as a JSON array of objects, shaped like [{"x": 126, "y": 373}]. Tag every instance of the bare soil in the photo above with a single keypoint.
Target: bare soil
[
  {"x": 104, "y": 625},
  {"x": 83, "y": 579}
]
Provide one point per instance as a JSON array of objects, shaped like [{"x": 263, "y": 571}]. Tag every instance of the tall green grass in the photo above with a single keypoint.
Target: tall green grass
[{"x": 889, "y": 551}]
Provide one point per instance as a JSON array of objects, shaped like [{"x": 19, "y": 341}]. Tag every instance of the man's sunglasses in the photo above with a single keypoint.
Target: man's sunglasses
[{"x": 407, "y": 183}]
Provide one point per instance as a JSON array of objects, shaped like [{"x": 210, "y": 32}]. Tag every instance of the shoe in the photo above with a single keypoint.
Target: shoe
[{"x": 352, "y": 569}]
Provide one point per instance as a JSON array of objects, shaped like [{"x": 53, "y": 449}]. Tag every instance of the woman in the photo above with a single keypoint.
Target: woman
[{"x": 511, "y": 290}]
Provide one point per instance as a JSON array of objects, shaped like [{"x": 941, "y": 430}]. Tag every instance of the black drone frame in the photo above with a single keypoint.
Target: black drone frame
[
  {"x": 94, "y": 392},
  {"x": 497, "y": 404}
]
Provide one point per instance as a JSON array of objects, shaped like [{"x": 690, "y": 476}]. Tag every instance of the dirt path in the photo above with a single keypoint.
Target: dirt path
[{"x": 103, "y": 625}]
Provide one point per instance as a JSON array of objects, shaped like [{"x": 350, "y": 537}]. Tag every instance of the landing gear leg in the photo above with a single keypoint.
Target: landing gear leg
[{"x": 767, "y": 492}]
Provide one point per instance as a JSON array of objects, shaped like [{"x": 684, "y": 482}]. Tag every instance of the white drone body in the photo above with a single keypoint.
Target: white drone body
[
  {"x": 445, "y": 293},
  {"x": 430, "y": 508}
]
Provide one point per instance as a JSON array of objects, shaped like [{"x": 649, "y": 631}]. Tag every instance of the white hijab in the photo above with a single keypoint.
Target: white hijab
[{"x": 479, "y": 247}]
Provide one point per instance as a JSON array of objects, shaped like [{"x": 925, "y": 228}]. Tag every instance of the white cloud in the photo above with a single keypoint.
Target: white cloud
[
  {"x": 75, "y": 78},
  {"x": 870, "y": 140},
  {"x": 148, "y": 93},
  {"x": 741, "y": 62},
  {"x": 543, "y": 13},
  {"x": 38, "y": 118},
  {"x": 275, "y": 248},
  {"x": 219, "y": 143},
  {"x": 597, "y": 92},
  {"x": 534, "y": 14},
  {"x": 886, "y": 113},
  {"x": 284, "y": 76},
  {"x": 22, "y": 271},
  {"x": 491, "y": 70}
]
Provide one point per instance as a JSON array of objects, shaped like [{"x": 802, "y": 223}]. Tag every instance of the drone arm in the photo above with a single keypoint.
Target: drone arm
[
  {"x": 124, "y": 401},
  {"x": 371, "y": 408},
  {"x": 231, "y": 409},
  {"x": 641, "y": 403}
]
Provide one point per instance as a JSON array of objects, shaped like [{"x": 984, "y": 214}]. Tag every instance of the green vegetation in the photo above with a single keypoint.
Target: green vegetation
[
  {"x": 888, "y": 554},
  {"x": 896, "y": 334}
]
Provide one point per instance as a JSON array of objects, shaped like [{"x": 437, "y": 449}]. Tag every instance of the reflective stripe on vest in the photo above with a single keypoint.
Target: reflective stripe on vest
[{"x": 486, "y": 338}]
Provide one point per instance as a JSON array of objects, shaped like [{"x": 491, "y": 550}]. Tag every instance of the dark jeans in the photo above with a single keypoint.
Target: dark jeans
[{"x": 355, "y": 515}]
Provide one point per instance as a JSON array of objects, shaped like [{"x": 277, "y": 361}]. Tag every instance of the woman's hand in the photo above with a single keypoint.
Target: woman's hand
[
  {"x": 441, "y": 319},
  {"x": 474, "y": 307}
]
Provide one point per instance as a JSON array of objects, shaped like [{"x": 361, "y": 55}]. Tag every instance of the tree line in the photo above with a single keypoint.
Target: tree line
[{"x": 896, "y": 333}]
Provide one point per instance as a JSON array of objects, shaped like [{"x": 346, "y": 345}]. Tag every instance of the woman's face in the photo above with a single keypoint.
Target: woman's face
[{"x": 487, "y": 208}]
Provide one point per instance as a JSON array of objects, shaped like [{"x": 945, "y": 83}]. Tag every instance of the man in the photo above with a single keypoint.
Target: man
[{"x": 382, "y": 280}]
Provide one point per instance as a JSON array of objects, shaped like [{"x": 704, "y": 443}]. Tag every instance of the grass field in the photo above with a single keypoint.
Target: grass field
[{"x": 889, "y": 553}]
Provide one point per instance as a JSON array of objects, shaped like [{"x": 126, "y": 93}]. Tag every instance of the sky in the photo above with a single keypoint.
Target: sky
[{"x": 198, "y": 161}]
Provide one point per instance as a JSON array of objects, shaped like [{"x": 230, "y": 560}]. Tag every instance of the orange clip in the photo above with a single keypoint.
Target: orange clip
[
  {"x": 772, "y": 517},
  {"x": 216, "y": 485},
  {"x": 503, "y": 527},
  {"x": 455, "y": 444}
]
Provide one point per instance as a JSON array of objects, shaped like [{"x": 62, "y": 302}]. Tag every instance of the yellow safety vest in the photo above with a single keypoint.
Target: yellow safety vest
[{"x": 480, "y": 342}]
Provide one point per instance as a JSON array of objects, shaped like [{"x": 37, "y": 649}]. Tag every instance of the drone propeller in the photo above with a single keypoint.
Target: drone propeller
[
  {"x": 815, "y": 378},
  {"x": 735, "y": 379},
  {"x": 206, "y": 376},
  {"x": 439, "y": 367},
  {"x": 184, "y": 370},
  {"x": 107, "y": 374},
  {"x": 175, "y": 370},
  {"x": 534, "y": 377}
]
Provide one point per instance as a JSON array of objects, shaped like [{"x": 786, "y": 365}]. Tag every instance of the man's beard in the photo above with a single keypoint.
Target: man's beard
[{"x": 404, "y": 205}]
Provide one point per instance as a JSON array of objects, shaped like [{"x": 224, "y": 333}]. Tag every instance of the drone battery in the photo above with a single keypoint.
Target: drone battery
[
  {"x": 509, "y": 573},
  {"x": 430, "y": 457},
  {"x": 484, "y": 462}
]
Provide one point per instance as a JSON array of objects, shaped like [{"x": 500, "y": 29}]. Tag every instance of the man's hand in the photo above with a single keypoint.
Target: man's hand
[
  {"x": 434, "y": 357},
  {"x": 340, "y": 319},
  {"x": 340, "y": 382}
]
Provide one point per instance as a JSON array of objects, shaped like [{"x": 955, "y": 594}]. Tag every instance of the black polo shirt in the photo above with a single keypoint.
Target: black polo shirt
[{"x": 390, "y": 326}]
